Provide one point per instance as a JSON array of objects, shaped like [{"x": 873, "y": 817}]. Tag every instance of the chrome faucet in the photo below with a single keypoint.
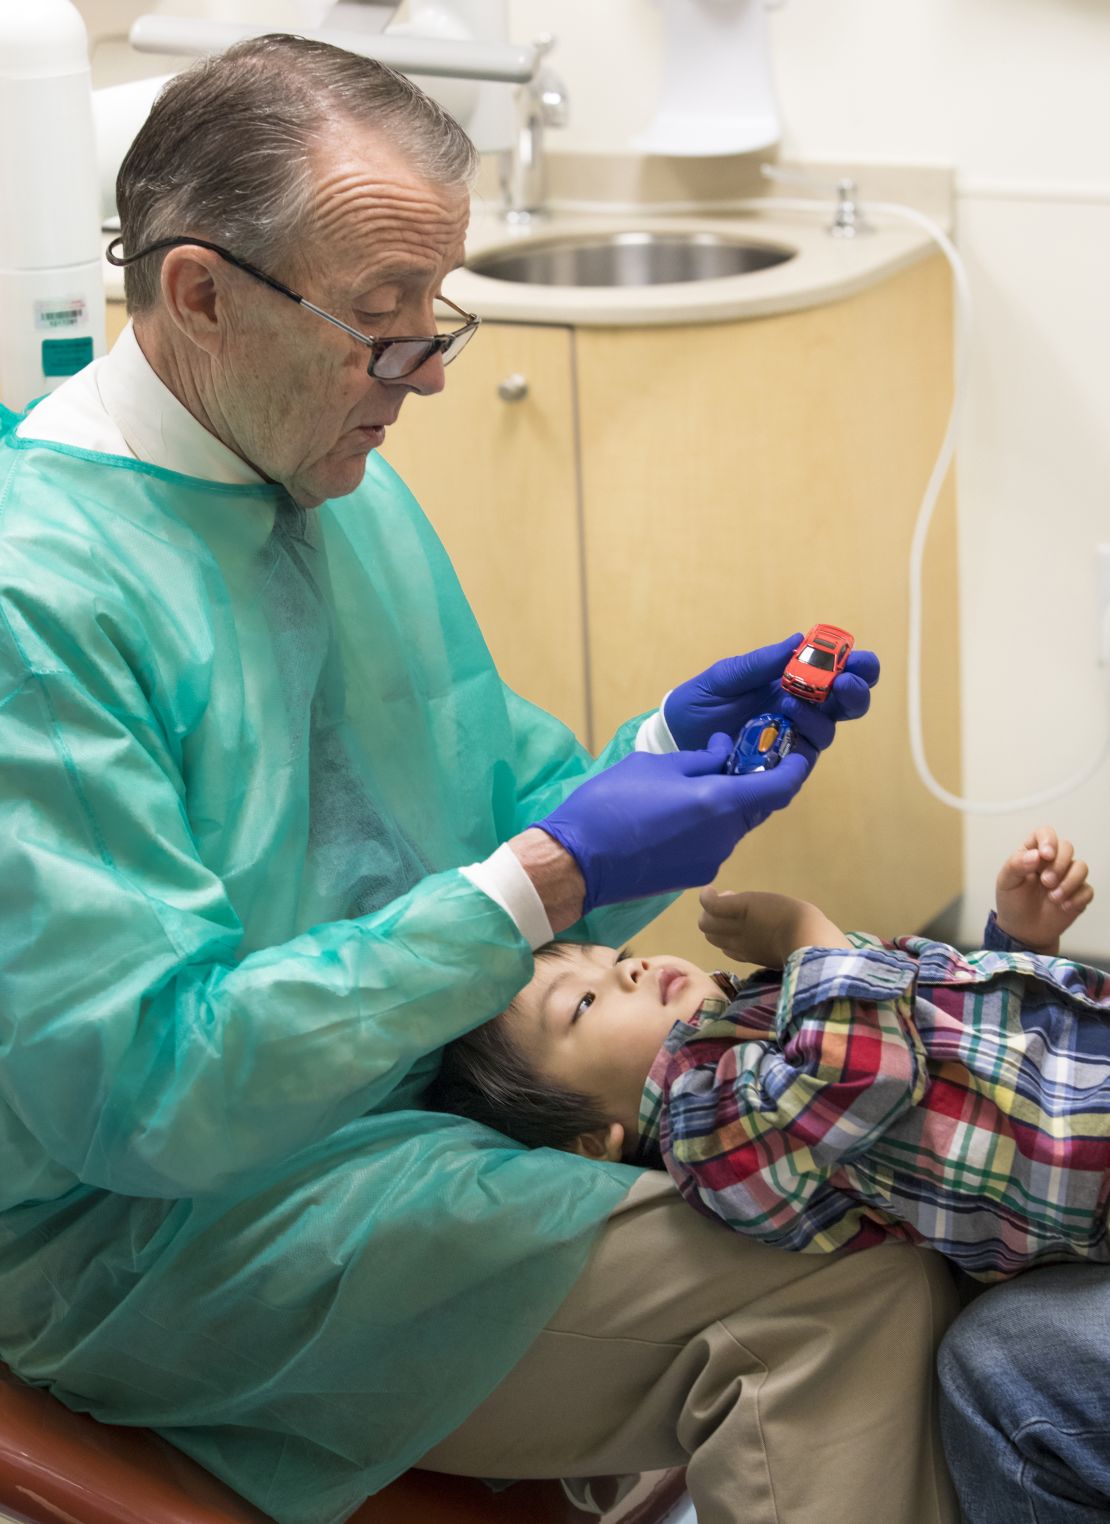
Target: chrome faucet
[
  {"x": 848, "y": 220},
  {"x": 540, "y": 102}
]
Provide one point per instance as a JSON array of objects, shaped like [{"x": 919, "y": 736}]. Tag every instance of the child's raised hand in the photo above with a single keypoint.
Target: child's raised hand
[
  {"x": 764, "y": 928},
  {"x": 1041, "y": 890}
]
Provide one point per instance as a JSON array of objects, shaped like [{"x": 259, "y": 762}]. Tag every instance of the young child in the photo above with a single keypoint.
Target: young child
[{"x": 868, "y": 1090}]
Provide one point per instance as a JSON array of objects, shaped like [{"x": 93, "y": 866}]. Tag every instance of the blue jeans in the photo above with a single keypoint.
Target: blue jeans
[{"x": 1025, "y": 1399}]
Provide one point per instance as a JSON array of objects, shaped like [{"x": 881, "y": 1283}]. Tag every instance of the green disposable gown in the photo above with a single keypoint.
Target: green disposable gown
[{"x": 244, "y": 750}]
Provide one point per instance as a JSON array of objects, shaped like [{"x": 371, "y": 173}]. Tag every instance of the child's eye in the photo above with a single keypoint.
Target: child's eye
[{"x": 583, "y": 1005}]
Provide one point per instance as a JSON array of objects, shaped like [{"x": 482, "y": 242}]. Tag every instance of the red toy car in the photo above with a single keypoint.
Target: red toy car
[{"x": 820, "y": 657}]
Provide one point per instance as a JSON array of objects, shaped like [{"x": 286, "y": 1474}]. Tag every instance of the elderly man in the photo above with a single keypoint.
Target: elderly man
[{"x": 274, "y": 832}]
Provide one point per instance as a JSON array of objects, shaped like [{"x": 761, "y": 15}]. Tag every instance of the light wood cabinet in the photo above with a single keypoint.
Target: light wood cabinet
[{"x": 661, "y": 497}]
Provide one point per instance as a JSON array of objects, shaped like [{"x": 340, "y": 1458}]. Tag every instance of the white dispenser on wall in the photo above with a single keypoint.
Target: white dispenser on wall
[
  {"x": 718, "y": 94},
  {"x": 51, "y": 280}
]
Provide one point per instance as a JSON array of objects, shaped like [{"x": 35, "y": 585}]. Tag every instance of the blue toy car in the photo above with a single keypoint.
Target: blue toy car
[{"x": 761, "y": 745}]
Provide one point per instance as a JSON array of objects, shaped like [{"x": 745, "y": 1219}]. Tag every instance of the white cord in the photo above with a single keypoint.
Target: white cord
[{"x": 941, "y": 467}]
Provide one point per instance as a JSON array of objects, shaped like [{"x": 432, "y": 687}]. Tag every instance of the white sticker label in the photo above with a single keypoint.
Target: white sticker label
[{"x": 60, "y": 314}]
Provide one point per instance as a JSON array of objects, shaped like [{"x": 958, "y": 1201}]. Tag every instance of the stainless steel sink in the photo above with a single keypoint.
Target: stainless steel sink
[{"x": 629, "y": 259}]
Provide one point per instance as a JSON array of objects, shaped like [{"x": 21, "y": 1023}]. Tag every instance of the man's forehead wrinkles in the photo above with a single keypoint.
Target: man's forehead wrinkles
[
  {"x": 388, "y": 210},
  {"x": 360, "y": 181},
  {"x": 403, "y": 238},
  {"x": 398, "y": 243},
  {"x": 358, "y": 196}
]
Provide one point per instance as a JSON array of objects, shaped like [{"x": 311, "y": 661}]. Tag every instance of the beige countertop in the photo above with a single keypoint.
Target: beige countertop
[{"x": 823, "y": 268}]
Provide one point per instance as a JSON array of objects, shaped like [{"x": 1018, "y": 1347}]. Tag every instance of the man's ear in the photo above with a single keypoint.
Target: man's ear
[
  {"x": 189, "y": 279},
  {"x": 602, "y": 1143}
]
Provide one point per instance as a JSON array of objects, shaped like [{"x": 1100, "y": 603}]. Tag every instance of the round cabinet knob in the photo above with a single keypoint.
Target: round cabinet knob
[{"x": 514, "y": 388}]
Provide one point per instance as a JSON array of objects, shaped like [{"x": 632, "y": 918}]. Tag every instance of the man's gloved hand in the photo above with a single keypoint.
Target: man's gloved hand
[
  {"x": 650, "y": 823},
  {"x": 731, "y": 692}
]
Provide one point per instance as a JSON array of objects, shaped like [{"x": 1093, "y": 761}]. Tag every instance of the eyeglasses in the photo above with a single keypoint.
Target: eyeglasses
[{"x": 390, "y": 359}]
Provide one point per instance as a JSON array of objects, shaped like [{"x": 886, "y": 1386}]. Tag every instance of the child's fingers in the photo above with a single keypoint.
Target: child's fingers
[
  {"x": 1043, "y": 842},
  {"x": 720, "y": 904},
  {"x": 1055, "y": 873},
  {"x": 1078, "y": 902},
  {"x": 1021, "y": 866},
  {"x": 1036, "y": 853},
  {"x": 723, "y": 913},
  {"x": 1072, "y": 881}
]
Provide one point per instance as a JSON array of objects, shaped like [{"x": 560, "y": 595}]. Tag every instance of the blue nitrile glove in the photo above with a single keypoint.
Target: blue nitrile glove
[
  {"x": 651, "y": 823},
  {"x": 733, "y": 691}
]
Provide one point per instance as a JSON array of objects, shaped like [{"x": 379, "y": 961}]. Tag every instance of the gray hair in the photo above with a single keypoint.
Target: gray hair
[{"x": 226, "y": 153}]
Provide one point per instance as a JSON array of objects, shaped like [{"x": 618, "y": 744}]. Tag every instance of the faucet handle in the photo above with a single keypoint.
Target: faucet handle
[
  {"x": 553, "y": 100},
  {"x": 848, "y": 219},
  {"x": 549, "y": 88},
  {"x": 540, "y": 102}
]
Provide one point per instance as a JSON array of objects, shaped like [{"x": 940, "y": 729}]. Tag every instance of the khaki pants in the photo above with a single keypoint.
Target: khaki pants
[{"x": 797, "y": 1388}]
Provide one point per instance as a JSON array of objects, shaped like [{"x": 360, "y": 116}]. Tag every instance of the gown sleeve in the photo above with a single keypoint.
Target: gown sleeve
[
  {"x": 138, "y": 1047},
  {"x": 550, "y": 764},
  {"x": 755, "y": 1131}
]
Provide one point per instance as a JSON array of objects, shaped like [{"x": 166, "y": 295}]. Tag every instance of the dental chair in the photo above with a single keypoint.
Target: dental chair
[{"x": 58, "y": 1467}]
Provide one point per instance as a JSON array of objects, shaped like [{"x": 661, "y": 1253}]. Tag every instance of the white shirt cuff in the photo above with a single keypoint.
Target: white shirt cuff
[
  {"x": 653, "y": 734},
  {"x": 503, "y": 878}
]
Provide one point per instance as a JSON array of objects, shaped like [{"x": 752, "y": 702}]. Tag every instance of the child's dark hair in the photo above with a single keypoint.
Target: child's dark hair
[{"x": 487, "y": 1078}]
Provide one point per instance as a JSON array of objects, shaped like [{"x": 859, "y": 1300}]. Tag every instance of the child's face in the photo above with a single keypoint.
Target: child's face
[{"x": 595, "y": 1020}]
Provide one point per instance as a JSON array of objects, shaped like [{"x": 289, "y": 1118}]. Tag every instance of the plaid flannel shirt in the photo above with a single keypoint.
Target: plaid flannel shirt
[{"x": 903, "y": 1090}]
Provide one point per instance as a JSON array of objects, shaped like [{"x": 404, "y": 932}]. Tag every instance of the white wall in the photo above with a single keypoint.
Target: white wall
[{"x": 1014, "y": 94}]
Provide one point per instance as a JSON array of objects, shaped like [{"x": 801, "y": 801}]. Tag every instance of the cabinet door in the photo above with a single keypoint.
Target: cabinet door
[
  {"x": 498, "y": 480},
  {"x": 745, "y": 480}
]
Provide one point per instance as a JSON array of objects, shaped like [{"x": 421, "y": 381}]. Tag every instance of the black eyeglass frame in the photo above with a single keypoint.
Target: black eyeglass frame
[{"x": 449, "y": 345}]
